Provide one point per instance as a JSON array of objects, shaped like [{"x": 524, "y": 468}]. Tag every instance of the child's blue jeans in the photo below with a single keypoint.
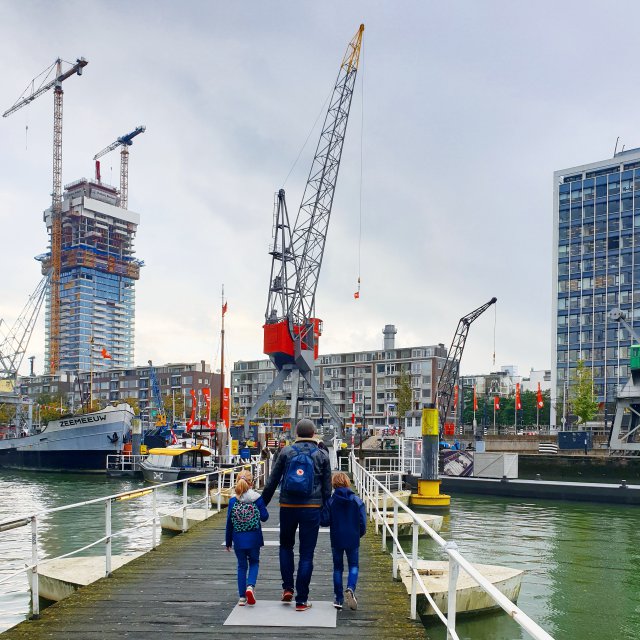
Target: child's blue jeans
[
  {"x": 252, "y": 558},
  {"x": 338, "y": 569}
]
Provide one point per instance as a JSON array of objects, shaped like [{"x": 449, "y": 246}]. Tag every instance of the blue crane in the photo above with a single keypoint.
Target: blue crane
[
  {"x": 161, "y": 420},
  {"x": 125, "y": 142}
]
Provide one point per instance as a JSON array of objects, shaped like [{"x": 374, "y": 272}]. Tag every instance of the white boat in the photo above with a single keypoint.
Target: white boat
[{"x": 73, "y": 443}]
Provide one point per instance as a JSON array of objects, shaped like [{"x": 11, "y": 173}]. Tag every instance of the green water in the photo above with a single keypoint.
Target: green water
[{"x": 581, "y": 560}]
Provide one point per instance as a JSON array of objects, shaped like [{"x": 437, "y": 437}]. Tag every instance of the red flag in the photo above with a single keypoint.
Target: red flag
[
  {"x": 540, "y": 400},
  {"x": 174, "y": 438},
  {"x": 518, "y": 403},
  {"x": 475, "y": 399},
  {"x": 496, "y": 403},
  {"x": 106, "y": 354},
  {"x": 224, "y": 308},
  {"x": 356, "y": 295},
  {"x": 455, "y": 397}
]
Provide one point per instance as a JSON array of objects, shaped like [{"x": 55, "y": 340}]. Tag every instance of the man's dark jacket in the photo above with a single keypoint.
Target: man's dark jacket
[{"x": 321, "y": 475}]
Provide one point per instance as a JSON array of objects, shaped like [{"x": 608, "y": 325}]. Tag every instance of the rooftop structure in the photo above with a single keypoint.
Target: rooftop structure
[{"x": 98, "y": 271}]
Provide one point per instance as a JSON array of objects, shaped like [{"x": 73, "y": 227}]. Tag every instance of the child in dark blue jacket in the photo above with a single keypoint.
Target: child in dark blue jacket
[
  {"x": 348, "y": 521},
  {"x": 244, "y": 532}
]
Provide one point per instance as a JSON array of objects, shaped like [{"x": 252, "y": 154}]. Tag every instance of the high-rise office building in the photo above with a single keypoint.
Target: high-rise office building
[
  {"x": 98, "y": 273},
  {"x": 596, "y": 267}
]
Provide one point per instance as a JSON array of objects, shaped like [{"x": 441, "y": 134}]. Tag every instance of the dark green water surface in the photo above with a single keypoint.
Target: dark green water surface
[{"x": 581, "y": 560}]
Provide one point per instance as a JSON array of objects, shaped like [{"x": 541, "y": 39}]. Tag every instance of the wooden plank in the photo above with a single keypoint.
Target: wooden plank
[{"x": 187, "y": 587}]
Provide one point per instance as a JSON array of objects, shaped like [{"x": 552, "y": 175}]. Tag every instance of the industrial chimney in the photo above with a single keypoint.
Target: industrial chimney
[{"x": 389, "y": 333}]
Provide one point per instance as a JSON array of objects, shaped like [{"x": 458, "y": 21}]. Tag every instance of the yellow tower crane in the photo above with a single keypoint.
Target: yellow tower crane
[{"x": 28, "y": 96}]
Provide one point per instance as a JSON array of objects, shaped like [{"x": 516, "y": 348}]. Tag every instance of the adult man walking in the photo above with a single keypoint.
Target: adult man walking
[{"x": 305, "y": 472}]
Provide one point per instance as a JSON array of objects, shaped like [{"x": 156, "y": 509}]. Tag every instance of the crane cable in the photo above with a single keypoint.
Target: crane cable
[
  {"x": 356, "y": 295},
  {"x": 495, "y": 320}
]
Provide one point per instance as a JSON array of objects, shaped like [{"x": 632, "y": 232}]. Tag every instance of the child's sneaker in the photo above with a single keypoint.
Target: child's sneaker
[
  {"x": 350, "y": 597},
  {"x": 251, "y": 596},
  {"x": 287, "y": 595},
  {"x": 242, "y": 602},
  {"x": 303, "y": 606},
  {"x": 337, "y": 605}
]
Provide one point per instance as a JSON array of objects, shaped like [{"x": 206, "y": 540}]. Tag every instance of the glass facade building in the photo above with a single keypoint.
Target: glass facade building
[
  {"x": 596, "y": 267},
  {"x": 98, "y": 274}
]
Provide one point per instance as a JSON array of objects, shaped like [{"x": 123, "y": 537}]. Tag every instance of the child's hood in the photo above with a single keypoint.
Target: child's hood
[
  {"x": 251, "y": 495},
  {"x": 342, "y": 494}
]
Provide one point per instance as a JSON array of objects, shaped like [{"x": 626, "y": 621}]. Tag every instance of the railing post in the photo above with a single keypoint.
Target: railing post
[
  {"x": 35, "y": 591},
  {"x": 395, "y": 540},
  {"x": 184, "y": 505},
  {"x": 206, "y": 495},
  {"x": 376, "y": 512},
  {"x": 219, "y": 495},
  {"x": 451, "y": 599},
  {"x": 107, "y": 542},
  {"x": 154, "y": 505},
  {"x": 384, "y": 524},
  {"x": 414, "y": 567}
]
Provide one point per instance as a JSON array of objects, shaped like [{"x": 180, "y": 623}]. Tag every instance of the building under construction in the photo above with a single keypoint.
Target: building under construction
[{"x": 98, "y": 271}]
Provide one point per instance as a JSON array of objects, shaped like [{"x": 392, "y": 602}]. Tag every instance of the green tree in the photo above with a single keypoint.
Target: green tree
[
  {"x": 273, "y": 409},
  {"x": 6, "y": 413},
  {"x": 404, "y": 395},
  {"x": 134, "y": 404},
  {"x": 584, "y": 404}
]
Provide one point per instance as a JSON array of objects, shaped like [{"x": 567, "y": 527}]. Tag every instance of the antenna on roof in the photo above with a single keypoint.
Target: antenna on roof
[{"x": 616, "y": 147}]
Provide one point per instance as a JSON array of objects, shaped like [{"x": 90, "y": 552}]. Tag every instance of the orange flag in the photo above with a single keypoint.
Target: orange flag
[
  {"x": 518, "y": 403},
  {"x": 540, "y": 400},
  {"x": 475, "y": 399},
  {"x": 106, "y": 354}
]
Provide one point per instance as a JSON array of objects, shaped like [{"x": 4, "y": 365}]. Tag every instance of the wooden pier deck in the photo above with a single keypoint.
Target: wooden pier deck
[{"x": 186, "y": 587}]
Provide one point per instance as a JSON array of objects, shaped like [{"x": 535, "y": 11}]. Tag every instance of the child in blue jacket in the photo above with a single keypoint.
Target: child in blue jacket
[
  {"x": 348, "y": 521},
  {"x": 246, "y": 511}
]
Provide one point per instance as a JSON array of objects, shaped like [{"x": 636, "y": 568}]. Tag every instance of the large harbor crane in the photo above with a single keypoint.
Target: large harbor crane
[
  {"x": 291, "y": 329},
  {"x": 451, "y": 369},
  {"x": 125, "y": 142},
  {"x": 29, "y": 95}
]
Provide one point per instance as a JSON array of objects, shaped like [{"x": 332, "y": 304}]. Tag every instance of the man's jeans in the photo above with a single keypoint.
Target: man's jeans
[
  {"x": 251, "y": 557},
  {"x": 338, "y": 569},
  {"x": 307, "y": 519}
]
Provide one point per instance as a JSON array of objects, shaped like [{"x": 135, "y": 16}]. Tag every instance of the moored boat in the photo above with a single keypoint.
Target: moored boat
[
  {"x": 166, "y": 464},
  {"x": 74, "y": 443}
]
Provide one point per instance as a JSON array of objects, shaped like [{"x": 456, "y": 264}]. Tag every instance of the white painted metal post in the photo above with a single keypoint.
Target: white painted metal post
[
  {"x": 414, "y": 566},
  {"x": 384, "y": 525},
  {"x": 154, "y": 504},
  {"x": 206, "y": 495},
  {"x": 35, "y": 591},
  {"x": 219, "y": 495},
  {"x": 395, "y": 540},
  {"x": 451, "y": 599},
  {"x": 107, "y": 542},
  {"x": 184, "y": 506},
  {"x": 376, "y": 509}
]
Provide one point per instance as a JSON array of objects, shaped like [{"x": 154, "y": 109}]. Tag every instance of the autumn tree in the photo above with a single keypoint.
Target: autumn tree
[
  {"x": 584, "y": 403},
  {"x": 404, "y": 395}
]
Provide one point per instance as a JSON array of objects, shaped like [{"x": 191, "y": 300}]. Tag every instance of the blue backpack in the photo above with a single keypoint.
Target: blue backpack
[{"x": 298, "y": 478}]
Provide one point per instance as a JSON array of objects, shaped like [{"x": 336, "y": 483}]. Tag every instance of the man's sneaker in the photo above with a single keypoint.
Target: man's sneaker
[
  {"x": 287, "y": 595},
  {"x": 337, "y": 605},
  {"x": 251, "y": 596},
  {"x": 242, "y": 602},
  {"x": 303, "y": 606},
  {"x": 350, "y": 598}
]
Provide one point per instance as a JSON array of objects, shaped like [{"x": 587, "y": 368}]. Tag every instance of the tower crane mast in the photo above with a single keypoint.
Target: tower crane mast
[
  {"x": 291, "y": 330},
  {"x": 125, "y": 142},
  {"x": 56, "y": 195},
  {"x": 451, "y": 369}
]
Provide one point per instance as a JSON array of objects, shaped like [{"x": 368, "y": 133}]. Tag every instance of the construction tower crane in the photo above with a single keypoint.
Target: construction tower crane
[
  {"x": 125, "y": 142},
  {"x": 56, "y": 195},
  {"x": 291, "y": 330},
  {"x": 14, "y": 340},
  {"x": 161, "y": 418},
  {"x": 449, "y": 375}
]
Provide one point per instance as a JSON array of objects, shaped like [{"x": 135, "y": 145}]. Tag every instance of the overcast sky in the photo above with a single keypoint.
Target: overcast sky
[{"x": 462, "y": 110}]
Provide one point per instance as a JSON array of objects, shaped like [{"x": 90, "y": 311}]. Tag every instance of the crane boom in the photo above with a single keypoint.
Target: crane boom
[
  {"x": 291, "y": 331},
  {"x": 449, "y": 375},
  {"x": 124, "y": 141},
  {"x": 56, "y": 194}
]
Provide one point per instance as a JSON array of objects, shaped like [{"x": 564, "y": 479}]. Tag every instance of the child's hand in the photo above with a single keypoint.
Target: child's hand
[{"x": 229, "y": 549}]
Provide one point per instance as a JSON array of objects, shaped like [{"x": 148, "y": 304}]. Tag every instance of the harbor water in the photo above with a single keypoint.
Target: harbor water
[{"x": 581, "y": 560}]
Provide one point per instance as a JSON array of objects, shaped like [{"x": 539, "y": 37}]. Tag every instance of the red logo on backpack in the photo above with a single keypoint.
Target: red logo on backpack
[{"x": 300, "y": 472}]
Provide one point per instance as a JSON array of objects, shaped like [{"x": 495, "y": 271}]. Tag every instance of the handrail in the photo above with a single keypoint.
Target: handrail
[
  {"x": 218, "y": 476},
  {"x": 371, "y": 489}
]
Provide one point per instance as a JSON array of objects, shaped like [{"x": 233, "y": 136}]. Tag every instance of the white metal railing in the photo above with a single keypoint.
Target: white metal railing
[
  {"x": 382, "y": 464},
  {"x": 124, "y": 462},
  {"x": 371, "y": 489},
  {"x": 215, "y": 484}
]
